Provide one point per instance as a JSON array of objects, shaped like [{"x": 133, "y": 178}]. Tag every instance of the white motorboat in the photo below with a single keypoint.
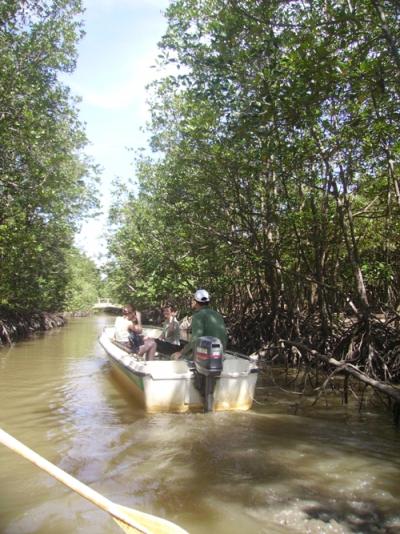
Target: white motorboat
[{"x": 165, "y": 385}]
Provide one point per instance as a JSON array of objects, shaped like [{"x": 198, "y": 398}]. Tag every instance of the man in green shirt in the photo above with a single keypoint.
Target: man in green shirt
[{"x": 205, "y": 322}]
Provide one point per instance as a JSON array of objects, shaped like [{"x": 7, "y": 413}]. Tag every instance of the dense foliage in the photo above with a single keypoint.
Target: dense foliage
[
  {"x": 274, "y": 180},
  {"x": 46, "y": 183},
  {"x": 84, "y": 282},
  {"x": 275, "y": 175}
]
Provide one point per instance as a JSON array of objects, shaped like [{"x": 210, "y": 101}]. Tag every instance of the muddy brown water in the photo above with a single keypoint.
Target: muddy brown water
[{"x": 274, "y": 469}]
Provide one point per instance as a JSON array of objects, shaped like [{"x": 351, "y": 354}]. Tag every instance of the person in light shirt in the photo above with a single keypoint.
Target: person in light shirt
[
  {"x": 169, "y": 340},
  {"x": 121, "y": 325},
  {"x": 128, "y": 330}
]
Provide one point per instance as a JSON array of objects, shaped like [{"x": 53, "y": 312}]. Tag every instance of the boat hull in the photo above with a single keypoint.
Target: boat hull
[{"x": 169, "y": 386}]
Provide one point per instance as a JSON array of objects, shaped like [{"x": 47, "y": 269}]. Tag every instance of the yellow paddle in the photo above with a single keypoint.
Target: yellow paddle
[{"x": 130, "y": 520}]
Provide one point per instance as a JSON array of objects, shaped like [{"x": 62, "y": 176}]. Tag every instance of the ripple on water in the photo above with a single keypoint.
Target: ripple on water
[{"x": 268, "y": 470}]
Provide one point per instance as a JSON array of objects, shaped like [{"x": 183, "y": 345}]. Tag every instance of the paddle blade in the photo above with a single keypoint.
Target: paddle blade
[{"x": 146, "y": 523}]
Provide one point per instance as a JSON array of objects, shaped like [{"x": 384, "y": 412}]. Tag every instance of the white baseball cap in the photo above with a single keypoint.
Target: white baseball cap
[{"x": 201, "y": 295}]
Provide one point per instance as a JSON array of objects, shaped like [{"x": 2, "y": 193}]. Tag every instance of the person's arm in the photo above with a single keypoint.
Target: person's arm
[
  {"x": 173, "y": 326},
  {"x": 170, "y": 328},
  {"x": 134, "y": 326},
  {"x": 187, "y": 348},
  {"x": 176, "y": 331},
  {"x": 165, "y": 329}
]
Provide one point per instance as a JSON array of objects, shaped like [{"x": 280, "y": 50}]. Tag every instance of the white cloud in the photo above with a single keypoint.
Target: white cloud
[
  {"x": 122, "y": 93},
  {"x": 113, "y": 69}
]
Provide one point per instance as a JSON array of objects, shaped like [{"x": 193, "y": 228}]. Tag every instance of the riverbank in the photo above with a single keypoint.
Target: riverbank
[{"x": 18, "y": 324}]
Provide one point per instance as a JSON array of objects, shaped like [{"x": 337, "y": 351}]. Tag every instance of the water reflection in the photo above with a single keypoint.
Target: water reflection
[{"x": 273, "y": 469}]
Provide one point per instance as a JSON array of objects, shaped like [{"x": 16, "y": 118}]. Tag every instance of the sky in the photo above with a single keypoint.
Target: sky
[{"x": 113, "y": 69}]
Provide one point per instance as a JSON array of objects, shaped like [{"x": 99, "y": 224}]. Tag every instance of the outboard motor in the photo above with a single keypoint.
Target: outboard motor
[{"x": 208, "y": 356}]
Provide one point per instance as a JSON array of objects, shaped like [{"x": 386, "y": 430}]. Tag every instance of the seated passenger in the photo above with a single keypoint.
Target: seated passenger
[
  {"x": 121, "y": 332},
  {"x": 169, "y": 340},
  {"x": 128, "y": 330},
  {"x": 141, "y": 345}
]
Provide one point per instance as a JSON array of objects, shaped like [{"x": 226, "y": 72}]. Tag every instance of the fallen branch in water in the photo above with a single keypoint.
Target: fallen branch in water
[{"x": 348, "y": 368}]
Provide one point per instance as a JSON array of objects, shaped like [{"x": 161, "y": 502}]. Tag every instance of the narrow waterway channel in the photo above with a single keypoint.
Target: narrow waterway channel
[{"x": 273, "y": 469}]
